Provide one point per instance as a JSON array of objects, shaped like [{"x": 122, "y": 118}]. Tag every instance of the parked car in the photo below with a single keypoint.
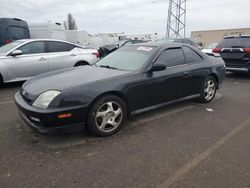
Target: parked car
[
  {"x": 131, "y": 80},
  {"x": 235, "y": 51},
  {"x": 177, "y": 40},
  {"x": 23, "y": 59},
  {"x": 209, "y": 50},
  {"x": 107, "y": 49},
  {"x": 12, "y": 29}
]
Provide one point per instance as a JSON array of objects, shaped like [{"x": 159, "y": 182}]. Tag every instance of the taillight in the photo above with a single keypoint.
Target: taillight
[
  {"x": 216, "y": 50},
  {"x": 247, "y": 50},
  {"x": 97, "y": 54},
  {"x": 7, "y": 41}
]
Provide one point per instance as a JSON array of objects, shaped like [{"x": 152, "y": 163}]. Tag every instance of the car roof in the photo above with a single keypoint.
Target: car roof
[
  {"x": 155, "y": 44},
  {"x": 32, "y": 40},
  {"x": 52, "y": 40},
  {"x": 237, "y": 36}
]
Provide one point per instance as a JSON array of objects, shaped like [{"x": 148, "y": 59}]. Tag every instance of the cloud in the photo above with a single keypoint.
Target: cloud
[{"x": 130, "y": 16}]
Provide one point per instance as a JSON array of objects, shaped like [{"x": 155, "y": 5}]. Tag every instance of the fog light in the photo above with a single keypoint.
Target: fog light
[
  {"x": 34, "y": 119},
  {"x": 62, "y": 116}
]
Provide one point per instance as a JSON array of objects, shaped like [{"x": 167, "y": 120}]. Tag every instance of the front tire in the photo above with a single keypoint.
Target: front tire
[
  {"x": 107, "y": 116},
  {"x": 208, "y": 90}
]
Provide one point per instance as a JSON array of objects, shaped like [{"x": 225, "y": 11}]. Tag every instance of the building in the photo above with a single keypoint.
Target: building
[{"x": 215, "y": 36}]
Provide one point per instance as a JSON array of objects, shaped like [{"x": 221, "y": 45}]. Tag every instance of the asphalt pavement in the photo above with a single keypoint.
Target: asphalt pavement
[{"x": 182, "y": 145}]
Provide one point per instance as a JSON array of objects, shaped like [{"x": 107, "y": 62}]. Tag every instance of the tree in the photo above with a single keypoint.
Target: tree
[{"x": 70, "y": 24}]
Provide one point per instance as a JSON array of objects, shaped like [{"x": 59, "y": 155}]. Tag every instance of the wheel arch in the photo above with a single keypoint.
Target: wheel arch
[
  {"x": 115, "y": 93},
  {"x": 81, "y": 62},
  {"x": 216, "y": 78}
]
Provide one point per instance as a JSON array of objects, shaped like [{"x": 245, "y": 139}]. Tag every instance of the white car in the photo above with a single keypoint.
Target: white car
[
  {"x": 23, "y": 59},
  {"x": 209, "y": 50}
]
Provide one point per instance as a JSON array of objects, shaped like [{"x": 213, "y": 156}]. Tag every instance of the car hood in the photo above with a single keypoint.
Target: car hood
[
  {"x": 2, "y": 56},
  {"x": 110, "y": 47},
  {"x": 68, "y": 78}
]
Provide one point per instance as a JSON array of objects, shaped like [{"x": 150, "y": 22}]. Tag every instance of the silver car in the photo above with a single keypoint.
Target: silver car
[{"x": 23, "y": 59}]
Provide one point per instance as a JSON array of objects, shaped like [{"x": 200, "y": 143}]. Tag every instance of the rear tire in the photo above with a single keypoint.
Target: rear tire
[
  {"x": 1, "y": 80},
  {"x": 208, "y": 90},
  {"x": 81, "y": 63},
  {"x": 106, "y": 116}
]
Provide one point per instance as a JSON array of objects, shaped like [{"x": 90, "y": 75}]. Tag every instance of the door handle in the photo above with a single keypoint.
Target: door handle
[
  {"x": 185, "y": 74},
  {"x": 42, "y": 59},
  {"x": 73, "y": 55}
]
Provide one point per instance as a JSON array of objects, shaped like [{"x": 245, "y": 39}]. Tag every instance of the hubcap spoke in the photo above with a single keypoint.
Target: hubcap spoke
[
  {"x": 206, "y": 90},
  {"x": 101, "y": 114},
  {"x": 110, "y": 106},
  {"x": 103, "y": 124},
  {"x": 113, "y": 123},
  {"x": 117, "y": 113},
  {"x": 209, "y": 90}
]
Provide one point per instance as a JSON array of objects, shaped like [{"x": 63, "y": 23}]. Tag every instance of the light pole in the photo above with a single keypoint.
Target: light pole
[{"x": 176, "y": 25}]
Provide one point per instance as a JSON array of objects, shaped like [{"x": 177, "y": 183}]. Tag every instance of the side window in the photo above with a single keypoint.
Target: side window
[
  {"x": 172, "y": 57},
  {"x": 191, "y": 55},
  {"x": 57, "y": 47},
  {"x": 33, "y": 48},
  {"x": 70, "y": 47}
]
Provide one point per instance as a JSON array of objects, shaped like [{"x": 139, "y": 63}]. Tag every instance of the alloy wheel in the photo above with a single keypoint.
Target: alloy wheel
[
  {"x": 109, "y": 116},
  {"x": 209, "y": 90}
]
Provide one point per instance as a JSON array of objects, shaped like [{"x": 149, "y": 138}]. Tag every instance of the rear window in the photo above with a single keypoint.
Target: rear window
[
  {"x": 234, "y": 43},
  {"x": 17, "y": 33}
]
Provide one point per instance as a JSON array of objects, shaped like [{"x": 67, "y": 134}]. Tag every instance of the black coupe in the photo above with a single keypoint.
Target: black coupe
[{"x": 133, "y": 79}]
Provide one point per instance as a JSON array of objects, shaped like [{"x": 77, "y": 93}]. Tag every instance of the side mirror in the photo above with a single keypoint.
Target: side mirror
[
  {"x": 16, "y": 53},
  {"x": 158, "y": 67}
]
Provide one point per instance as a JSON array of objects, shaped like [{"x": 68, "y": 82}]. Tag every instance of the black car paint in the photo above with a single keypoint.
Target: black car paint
[{"x": 140, "y": 90}]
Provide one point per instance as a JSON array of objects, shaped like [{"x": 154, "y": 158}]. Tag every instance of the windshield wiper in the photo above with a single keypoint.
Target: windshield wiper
[{"x": 107, "y": 66}]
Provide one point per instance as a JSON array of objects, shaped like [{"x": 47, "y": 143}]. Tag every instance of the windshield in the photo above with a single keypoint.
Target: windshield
[
  {"x": 234, "y": 43},
  {"x": 4, "y": 49},
  {"x": 129, "y": 58}
]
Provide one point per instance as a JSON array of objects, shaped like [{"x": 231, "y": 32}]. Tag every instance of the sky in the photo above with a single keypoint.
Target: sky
[{"x": 130, "y": 16}]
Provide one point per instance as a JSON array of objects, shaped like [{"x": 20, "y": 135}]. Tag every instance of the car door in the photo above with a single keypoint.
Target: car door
[
  {"x": 61, "y": 55},
  {"x": 33, "y": 61},
  {"x": 164, "y": 86},
  {"x": 198, "y": 71}
]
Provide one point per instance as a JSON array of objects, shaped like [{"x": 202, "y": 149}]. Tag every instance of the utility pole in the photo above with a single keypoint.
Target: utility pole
[{"x": 176, "y": 25}]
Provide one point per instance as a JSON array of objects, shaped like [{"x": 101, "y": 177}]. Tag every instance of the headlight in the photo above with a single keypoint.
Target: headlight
[{"x": 45, "y": 99}]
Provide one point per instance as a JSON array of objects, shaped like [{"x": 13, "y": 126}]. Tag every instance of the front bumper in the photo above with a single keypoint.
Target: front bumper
[{"x": 46, "y": 120}]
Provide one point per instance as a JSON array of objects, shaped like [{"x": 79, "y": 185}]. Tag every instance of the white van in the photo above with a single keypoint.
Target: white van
[{"x": 47, "y": 31}]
